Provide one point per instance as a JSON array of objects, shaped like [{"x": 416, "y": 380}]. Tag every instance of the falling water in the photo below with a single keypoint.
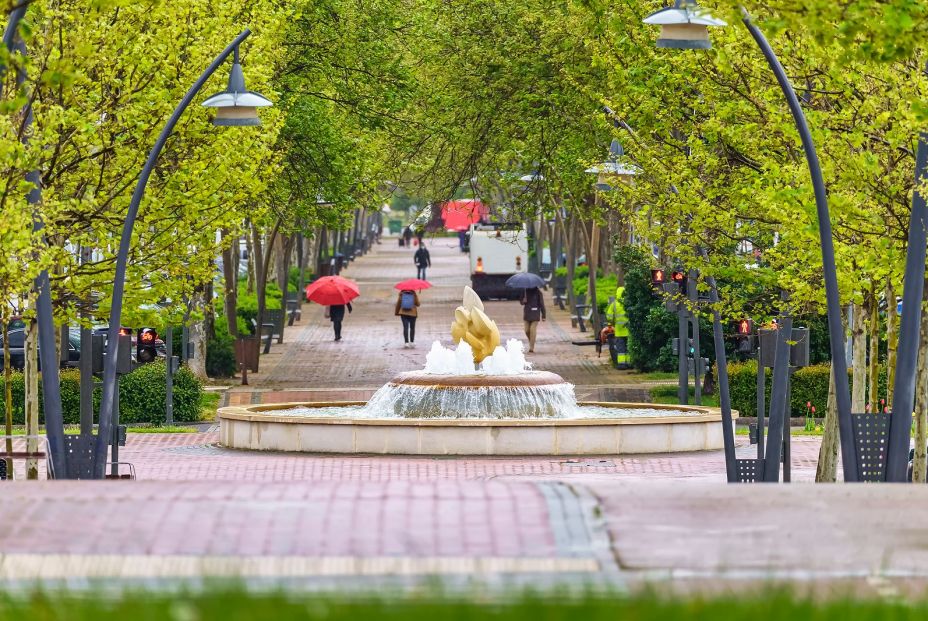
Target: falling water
[{"x": 495, "y": 402}]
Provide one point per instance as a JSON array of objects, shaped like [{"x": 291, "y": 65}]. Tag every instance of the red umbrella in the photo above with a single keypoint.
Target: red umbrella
[
  {"x": 413, "y": 284},
  {"x": 332, "y": 290}
]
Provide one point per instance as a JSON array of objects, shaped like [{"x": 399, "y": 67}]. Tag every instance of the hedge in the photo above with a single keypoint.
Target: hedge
[
  {"x": 809, "y": 385},
  {"x": 141, "y": 396}
]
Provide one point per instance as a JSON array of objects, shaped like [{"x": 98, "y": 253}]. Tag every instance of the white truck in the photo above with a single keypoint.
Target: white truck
[{"x": 497, "y": 251}]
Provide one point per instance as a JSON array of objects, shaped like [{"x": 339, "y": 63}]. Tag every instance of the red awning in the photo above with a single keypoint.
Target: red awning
[{"x": 459, "y": 215}]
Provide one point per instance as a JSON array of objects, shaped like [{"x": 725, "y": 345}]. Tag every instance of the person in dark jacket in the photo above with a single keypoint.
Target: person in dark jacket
[
  {"x": 336, "y": 315},
  {"x": 534, "y": 311},
  {"x": 422, "y": 261},
  {"x": 407, "y": 303},
  {"x": 407, "y": 236}
]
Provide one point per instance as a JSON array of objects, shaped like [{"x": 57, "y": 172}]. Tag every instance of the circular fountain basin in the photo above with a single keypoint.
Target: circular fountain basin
[{"x": 341, "y": 428}]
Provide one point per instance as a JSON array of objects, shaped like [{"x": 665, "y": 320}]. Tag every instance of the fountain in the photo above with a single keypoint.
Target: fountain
[{"x": 480, "y": 398}]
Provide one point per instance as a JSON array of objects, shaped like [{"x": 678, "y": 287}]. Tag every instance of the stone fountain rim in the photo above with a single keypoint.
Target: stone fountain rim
[
  {"x": 478, "y": 380},
  {"x": 264, "y": 413}
]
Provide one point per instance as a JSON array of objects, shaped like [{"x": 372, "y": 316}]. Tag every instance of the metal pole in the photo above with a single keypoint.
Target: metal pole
[
  {"x": 48, "y": 351},
  {"x": 114, "y": 435},
  {"x": 169, "y": 377},
  {"x": 683, "y": 387},
  {"x": 119, "y": 279},
  {"x": 835, "y": 327},
  {"x": 693, "y": 296},
  {"x": 86, "y": 367},
  {"x": 761, "y": 406},
  {"x": 900, "y": 425},
  {"x": 778, "y": 399},
  {"x": 787, "y": 434},
  {"x": 721, "y": 364}
]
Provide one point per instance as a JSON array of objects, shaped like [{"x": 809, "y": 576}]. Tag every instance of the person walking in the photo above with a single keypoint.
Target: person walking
[
  {"x": 407, "y": 236},
  {"x": 422, "y": 261},
  {"x": 336, "y": 316},
  {"x": 534, "y": 311},
  {"x": 407, "y": 303}
]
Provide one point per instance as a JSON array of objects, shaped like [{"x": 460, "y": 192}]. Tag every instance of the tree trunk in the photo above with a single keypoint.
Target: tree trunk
[
  {"x": 859, "y": 360},
  {"x": 262, "y": 265},
  {"x": 7, "y": 396},
  {"x": 891, "y": 340},
  {"x": 827, "y": 469},
  {"x": 31, "y": 377},
  {"x": 230, "y": 294},
  {"x": 571, "y": 262},
  {"x": 873, "y": 391},
  {"x": 921, "y": 403},
  {"x": 252, "y": 268},
  {"x": 593, "y": 262},
  {"x": 199, "y": 333}
]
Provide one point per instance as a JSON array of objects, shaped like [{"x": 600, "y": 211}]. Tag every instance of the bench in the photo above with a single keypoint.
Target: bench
[
  {"x": 560, "y": 291},
  {"x": 293, "y": 311},
  {"x": 275, "y": 318},
  {"x": 268, "y": 330},
  {"x": 582, "y": 312}
]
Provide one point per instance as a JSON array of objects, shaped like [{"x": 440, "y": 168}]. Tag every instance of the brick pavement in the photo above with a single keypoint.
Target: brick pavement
[
  {"x": 700, "y": 536},
  {"x": 310, "y": 364}
]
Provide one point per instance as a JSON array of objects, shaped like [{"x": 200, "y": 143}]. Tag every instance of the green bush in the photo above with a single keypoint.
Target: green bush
[
  {"x": 808, "y": 385},
  {"x": 247, "y": 308},
  {"x": 141, "y": 396},
  {"x": 220, "y": 351}
]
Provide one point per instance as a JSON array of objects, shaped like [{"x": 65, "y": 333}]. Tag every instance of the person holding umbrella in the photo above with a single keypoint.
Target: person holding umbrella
[
  {"x": 533, "y": 302},
  {"x": 336, "y": 293},
  {"x": 407, "y": 305}
]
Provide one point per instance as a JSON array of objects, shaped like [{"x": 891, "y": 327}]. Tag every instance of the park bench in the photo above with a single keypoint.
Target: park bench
[
  {"x": 294, "y": 313},
  {"x": 268, "y": 330},
  {"x": 560, "y": 291},
  {"x": 275, "y": 317},
  {"x": 582, "y": 312}
]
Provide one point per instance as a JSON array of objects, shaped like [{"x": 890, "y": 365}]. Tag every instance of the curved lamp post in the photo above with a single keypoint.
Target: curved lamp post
[
  {"x": 835, "y": 325},
  {"x": 236, "y": 107},
  {"x": 48, "y": 348}
]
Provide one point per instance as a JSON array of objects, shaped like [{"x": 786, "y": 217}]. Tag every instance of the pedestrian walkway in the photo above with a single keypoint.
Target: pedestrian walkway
[
  {"x": 311, "y": 365},
  {"x": 348, "y": 534}
]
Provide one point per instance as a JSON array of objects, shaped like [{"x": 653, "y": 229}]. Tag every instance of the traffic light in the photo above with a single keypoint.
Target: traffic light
[
  {"x": 145, "y": 345},
  {"x": 745, "y": 330},
  {"x": 680, "y": 279},
  {"x": 690, "y": 347},
  {"x": 658, "y": 277}
]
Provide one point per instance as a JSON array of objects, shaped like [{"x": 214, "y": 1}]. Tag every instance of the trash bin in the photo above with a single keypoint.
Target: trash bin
[
  {"x": 246, "y": 352},
  {"x": 324, "y": 268}
]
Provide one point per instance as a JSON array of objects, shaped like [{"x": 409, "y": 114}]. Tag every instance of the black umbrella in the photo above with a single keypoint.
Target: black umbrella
[{"x": 525, "y": 280}]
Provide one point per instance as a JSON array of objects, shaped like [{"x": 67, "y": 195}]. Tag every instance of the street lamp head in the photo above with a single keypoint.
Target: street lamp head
[
  {"x": 684, "y": 26},
  {"x": 237, "y": 106}
]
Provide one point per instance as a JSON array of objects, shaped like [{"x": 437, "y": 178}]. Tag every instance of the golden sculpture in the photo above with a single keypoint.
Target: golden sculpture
[{"x": 473, "y": 325}]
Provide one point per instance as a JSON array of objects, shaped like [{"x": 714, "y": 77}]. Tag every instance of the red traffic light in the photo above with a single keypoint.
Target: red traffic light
[
  {"x": 678, "y": 277},
  {"x": 148, "y": 335},
  {"x": 657, "y": 277},
  {"x": 125, "y": 331},
  {"x": 745, "y": 327}
]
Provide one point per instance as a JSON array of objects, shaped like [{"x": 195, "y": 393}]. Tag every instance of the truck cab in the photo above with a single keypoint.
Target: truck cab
[{"x": 497, "y": 251}]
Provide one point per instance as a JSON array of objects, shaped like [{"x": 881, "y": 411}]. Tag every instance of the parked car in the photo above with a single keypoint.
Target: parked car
[{"x": 18, "y": 352}]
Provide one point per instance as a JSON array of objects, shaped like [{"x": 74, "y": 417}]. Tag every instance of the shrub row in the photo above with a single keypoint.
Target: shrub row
[
  {"x": 808, "y": 385},
  {"x": 141, "y": 396}
]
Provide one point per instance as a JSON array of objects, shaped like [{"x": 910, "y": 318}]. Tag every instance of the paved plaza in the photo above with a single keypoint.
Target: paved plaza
[{"x": 202, "y": 511}]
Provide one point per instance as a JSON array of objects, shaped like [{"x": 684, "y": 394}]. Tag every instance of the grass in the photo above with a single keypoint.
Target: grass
[
  {"x": 239, "y": 605},
  {"x": 668, "y": 395},
  {"x": 654, "y": 376},
  {"x": 209, "y": 404},
  {"x": 794, "y": 431}
]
